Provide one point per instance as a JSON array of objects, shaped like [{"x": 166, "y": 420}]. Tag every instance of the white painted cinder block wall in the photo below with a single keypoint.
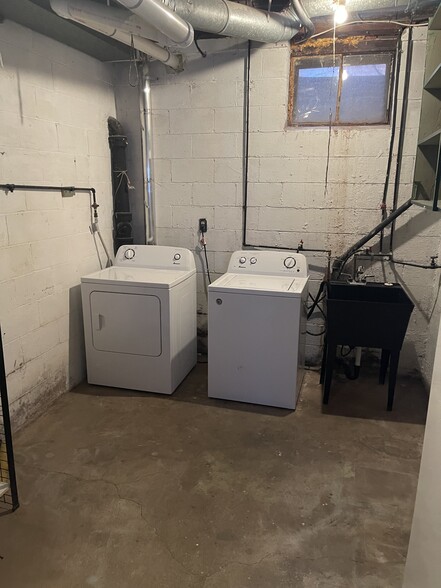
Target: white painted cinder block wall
[
  {"x": 198, "y": 147},
  {"x": 54, "y": 104}
]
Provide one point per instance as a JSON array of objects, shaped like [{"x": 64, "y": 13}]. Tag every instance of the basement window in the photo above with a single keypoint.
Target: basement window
[{"x": 346, "y": 88}]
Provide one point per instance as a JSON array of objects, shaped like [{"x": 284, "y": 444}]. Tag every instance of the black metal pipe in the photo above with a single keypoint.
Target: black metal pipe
[
  {"x": 7, "y": 430},
  {"x": 339, "y": 262},
  {"x": 392, "y": 133},
  {"x": 12, "y": 187},
  {"x": 431, "y": 266},
  {"x": 402, "y": 129},
  {"x": 246, "y": 143}
]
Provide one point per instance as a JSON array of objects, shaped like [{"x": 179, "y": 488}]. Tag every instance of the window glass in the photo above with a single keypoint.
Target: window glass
[
  {"x": 365, "y": 89},
  {"x": 316, "y": 88},
  {"x": 348, "y": 89}
]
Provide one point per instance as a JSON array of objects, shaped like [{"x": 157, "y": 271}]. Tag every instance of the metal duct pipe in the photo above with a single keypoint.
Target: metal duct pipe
[
  {"x": 86, "y": 13},
  {"x": 231, "y": 19},
  {"x": 63, "y": 9},
  {"x": 147, "y": 141},
  {"x": 156, "y": 13}
]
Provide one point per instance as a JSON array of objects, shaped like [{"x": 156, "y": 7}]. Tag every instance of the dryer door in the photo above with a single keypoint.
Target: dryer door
[{"x": 126, "y": 323}]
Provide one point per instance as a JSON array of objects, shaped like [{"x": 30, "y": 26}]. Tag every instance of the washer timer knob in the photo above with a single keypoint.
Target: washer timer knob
[
  {"x": 177, "y": 256},
  {"x": 129, "y": 253},
  {"x": 253, "y": 260},
  {"x": 242, "y": 260},
  {"x": 289, "y": 262}
]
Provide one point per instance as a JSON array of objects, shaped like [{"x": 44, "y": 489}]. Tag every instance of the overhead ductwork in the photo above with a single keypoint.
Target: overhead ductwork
[
  {"x": 87, "y": 12},
  {"x": 115, "y": 24},
  {"x": 156, "y": 13},
  {"x": 231, "y": 19}
]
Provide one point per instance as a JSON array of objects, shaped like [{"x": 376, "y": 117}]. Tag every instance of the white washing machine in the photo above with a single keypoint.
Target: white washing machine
[
  {"x": 257, "y": 328},
  {"x": 140, "y": 319}
]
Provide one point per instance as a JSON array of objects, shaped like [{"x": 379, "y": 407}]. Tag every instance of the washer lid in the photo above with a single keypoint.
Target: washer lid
[
  {"x": 138, "y": 276},
  {"x": 260, "y": 284}
]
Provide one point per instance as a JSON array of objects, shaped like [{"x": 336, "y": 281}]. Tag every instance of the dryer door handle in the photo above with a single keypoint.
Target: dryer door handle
[{"x": 97, "y": 321}]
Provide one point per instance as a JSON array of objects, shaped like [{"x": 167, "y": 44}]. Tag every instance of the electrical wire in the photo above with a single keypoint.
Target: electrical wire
[
  {"x": 348, "y": 352},
  {"x": 352, "y": 22},
  {"x": 207, "y": 266},
  {"x": 316, "y": 334},
  {"x": 133, "y": 63},
  {"x": 203, "y": 53}
]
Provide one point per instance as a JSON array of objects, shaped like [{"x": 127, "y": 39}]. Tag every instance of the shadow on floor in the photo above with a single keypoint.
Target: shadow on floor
[
  {"x": 365, "y": 398},
  {"x": 192, "y": 390}
]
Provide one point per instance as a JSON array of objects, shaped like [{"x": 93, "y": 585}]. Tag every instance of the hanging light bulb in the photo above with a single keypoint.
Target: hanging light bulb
[{"x": 340, "y": 12}]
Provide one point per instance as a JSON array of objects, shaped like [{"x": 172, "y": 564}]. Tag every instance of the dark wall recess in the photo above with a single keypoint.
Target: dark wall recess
[{"x": 122, "y": 216}]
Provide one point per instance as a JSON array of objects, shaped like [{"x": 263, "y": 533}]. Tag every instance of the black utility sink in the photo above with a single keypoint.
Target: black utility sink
[{"x": 366, "y": 315}]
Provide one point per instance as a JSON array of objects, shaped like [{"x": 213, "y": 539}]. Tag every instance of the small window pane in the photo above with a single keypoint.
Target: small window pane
[
  {"x": 316, "y": 88},
  {"x": 365, "y": 89}
]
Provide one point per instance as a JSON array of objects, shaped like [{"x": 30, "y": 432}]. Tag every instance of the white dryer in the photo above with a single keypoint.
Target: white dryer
[
  {"x": 257, "y": 328},
  {"x": 140, "y": 319}
]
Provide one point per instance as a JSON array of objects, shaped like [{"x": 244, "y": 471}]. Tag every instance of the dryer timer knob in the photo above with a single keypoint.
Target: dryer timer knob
[
  {"x": 129, "y": 253},
  {"x": 177, "y": 256},
  {"x": 242, "y": 260},
  {"x": 289, "y": 262}
]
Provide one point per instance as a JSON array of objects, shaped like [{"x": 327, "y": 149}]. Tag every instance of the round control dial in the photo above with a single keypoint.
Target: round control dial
[
  {"x": 253, "y": 260},
  {"x": 177, "y": 256},
  {"x": 289, "y": 262},
  {"x": 242, "y": 260},
  {"x": 129, "y": 253}
]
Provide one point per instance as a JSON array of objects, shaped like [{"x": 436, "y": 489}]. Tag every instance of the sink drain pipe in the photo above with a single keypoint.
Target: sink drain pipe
[{"x": 339, "y": 262}]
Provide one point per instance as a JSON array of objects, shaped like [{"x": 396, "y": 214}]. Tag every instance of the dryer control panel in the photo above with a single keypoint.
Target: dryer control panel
[
  {"x": 155, "y": 256},
  {"x": 275, "y": 263}
]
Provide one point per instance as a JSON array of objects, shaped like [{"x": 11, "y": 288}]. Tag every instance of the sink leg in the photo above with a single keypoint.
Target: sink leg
[
  {"x": 394, "y": 358},
  {"x": 323, "y": 366},
  {"x": 331, "y": 352},
  {"x": 385, "y": 356}
]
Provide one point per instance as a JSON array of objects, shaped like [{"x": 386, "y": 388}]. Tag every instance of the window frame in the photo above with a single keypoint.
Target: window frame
[{"x": 345, "y": 48}]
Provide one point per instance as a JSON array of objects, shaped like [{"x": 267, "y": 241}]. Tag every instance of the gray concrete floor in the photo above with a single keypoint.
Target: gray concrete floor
[{"x": 120, "y": 489}]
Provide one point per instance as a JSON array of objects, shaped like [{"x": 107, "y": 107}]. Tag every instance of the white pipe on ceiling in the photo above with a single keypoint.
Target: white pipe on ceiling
[
  {"x": 86, "y": 12},
  {"x": 165, "y": 20},
  {"x": 67, "y": 9}
]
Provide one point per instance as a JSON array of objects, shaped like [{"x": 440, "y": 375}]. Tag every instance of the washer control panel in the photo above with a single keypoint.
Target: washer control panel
[
  {"x": 269, "y": 262},
  {"x": 155, "y": 256}
]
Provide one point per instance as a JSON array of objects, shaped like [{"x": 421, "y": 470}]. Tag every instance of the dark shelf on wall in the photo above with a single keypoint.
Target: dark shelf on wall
[
  {"x": 427, "y": 179},
  {"x": 431, "y": 140},
  {"x": 435, "y": 23},
  {"x": 433, "y": 84}
]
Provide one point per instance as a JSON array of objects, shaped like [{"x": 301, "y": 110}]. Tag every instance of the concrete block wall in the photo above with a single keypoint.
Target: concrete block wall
[
  {"x": 54, "y": 104},
  {"x": 294, "y": 192}
]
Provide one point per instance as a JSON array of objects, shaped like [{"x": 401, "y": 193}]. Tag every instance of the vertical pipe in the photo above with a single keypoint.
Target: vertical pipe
[
  {"x": 246, "y": 142},
  {"x": 392, "y": 134},
  {"x": 402, "y": 130},
  {"x": 147, "y": 139}
]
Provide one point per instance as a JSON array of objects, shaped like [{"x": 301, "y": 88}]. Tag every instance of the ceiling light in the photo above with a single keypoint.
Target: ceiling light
[{"x": 340, "y": 12}]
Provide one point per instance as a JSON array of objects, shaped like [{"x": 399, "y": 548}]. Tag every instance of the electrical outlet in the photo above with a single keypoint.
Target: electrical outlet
[{"x": 203, "y": 225}]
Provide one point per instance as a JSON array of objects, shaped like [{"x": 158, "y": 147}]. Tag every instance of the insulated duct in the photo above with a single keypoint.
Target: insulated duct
[
  {"x": 156, "y": 13},
  {"x": 231, "y": 19},
  {"x": 108, "y": 24},
  {"x": 223, "y": 17},
  {"x": 87, "y": 12}
]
